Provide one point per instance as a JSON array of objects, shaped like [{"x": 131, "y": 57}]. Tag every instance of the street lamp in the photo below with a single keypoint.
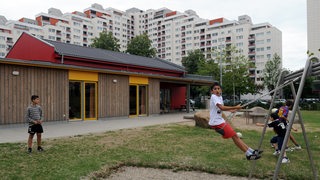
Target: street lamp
[
  {"x": 220, "y": 69},
  {"x": 220, "y": 62}
]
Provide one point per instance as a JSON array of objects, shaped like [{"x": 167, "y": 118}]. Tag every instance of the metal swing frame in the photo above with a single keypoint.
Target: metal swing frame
[{"x": 311, "y": 69}]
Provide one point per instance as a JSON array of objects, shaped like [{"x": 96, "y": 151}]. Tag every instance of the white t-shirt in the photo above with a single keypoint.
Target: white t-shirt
[{"x": 215, "y": 112}]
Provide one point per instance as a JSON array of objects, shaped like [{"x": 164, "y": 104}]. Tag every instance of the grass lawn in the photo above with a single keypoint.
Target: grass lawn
[{"x": 173, "y": 146}]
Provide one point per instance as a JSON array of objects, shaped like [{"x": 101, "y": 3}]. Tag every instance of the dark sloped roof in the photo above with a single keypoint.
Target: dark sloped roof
[{"x": 112, "y": 56}]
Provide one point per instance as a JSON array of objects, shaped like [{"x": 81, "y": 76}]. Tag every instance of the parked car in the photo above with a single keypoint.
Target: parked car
[{"x": 282, "y": 101}]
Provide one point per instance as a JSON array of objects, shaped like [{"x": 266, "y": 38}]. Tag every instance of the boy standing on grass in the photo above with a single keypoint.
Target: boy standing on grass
[
  {"x": 34, "y": 117},
  {"x": 218, "y": 123},
  {"x": 280, "y": 128}
]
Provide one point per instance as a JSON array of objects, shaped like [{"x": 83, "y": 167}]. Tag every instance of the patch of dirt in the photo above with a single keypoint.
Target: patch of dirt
[
  {"x": 242, "y": 123},
  {"x": 138, "y": 173}
]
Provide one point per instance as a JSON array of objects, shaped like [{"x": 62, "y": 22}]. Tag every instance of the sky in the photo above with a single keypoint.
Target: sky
[{"x": 289, "y": 16}]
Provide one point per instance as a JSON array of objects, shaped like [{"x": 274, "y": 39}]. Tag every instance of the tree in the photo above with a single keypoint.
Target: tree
[
  {"x": 106, "y": 41},
  {"x": 141, "y": 46},
  {"x": 235, "y": 73},
  {"x": 271, "y": 72},
  {"x": 207, "y": 67},
  {"x": 193, "y": 61}
]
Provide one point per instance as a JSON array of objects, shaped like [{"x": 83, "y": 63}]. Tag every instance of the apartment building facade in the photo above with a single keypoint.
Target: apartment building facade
[
  {"x": 313, "y": 24},
  {"x": 172, "y": 33}
]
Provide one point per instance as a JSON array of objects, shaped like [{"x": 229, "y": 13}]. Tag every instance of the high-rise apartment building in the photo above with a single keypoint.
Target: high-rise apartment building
[
  {"x": 172, "y": 33},
  {"x": 313, "y": 24}
]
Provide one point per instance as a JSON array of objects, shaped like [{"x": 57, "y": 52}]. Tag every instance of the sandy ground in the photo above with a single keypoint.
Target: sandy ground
[{"x": 138, "y": 173}]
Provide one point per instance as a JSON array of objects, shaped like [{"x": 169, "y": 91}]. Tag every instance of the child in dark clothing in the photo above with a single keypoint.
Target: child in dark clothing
[
  {"x": 283, "y": 114},
  {"x": 280, "y": 128}
]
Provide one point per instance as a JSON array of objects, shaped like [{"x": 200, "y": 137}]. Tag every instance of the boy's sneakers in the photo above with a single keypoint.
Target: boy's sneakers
[
  {"x": 40, "y": 149},
  {"x": 257, "y": 152},
  {"x": 285, "y": 160},
  {"x": 276, "y": 153},
  {"x": 296, "y": 148},
  {"x": 253, "y": 156},
  {"x": 289, "y": 149}
]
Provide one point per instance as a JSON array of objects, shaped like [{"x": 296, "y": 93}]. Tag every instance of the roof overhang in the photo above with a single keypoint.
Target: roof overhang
[{"x": 180, "y": 80}]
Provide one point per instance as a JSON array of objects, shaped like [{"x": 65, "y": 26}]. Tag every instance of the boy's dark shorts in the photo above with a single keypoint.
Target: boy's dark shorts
[
  {"x": 36, "y": 128},
  {"x": 274, "y": 140},
  {"x": 277, "y": 140}
]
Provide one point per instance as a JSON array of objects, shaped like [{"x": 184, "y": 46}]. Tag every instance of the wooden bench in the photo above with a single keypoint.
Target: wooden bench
[{"x": 246, "y": 113}]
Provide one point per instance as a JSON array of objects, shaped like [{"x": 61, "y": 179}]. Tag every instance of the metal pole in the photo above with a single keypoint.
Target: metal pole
[
  {"x": 274, "y": 90},
  {"x": 304, "y": 133},
  {"x": 253, "y": 164},
  {"x": 188, "y": 99},
  {"x": 220, "y": 66}
]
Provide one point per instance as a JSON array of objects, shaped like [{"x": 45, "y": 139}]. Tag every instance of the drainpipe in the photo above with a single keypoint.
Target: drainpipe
[{"x": 62, "y": 59}]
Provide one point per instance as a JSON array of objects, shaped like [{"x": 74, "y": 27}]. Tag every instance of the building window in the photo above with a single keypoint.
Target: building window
[
  {"x": 239, "y": 30},
  {"x": 269, "y": 56},
  {"x": 260, "y": 34}
]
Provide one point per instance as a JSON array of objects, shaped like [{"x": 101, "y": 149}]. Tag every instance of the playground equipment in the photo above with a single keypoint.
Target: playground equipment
[{"x": 312, "y": 68}]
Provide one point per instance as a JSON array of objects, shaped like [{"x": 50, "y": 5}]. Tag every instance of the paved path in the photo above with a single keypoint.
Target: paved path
[{"x": 18, "y": 133}]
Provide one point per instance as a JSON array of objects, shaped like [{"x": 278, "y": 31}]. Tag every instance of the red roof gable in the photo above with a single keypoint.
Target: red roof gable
[{"x": 30, "y": 48}]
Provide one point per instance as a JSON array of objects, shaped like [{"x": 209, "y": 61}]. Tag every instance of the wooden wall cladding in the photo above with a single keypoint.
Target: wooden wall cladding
[
  {"x": 154, "y": 96},
  {"x": 18, "y": 83},
  {"x": 113, "y": 95}
]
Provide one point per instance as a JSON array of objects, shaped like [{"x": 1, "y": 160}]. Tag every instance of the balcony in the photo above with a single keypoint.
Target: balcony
[
  {"x": 250, "y": 39},
  {"x": 251, "y": 45},
  {"x": 9, "y": 42},
  {"x": 228, "y": 41},
  {"x": 252, "y": 53},
  {"x": 252, "y": 59}
]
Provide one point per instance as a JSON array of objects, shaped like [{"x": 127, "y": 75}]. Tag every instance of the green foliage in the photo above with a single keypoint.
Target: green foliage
[
  {"x": 236, "y": 80},
  {"x": 209, "y": 68},
  {"x": 193, "y": 61},
  {"x": 307, "y": 89},
  {"x": 141, "y": 46},
  {"x": 271, "y": 72},
  {"x": 106, "y": 41}
]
